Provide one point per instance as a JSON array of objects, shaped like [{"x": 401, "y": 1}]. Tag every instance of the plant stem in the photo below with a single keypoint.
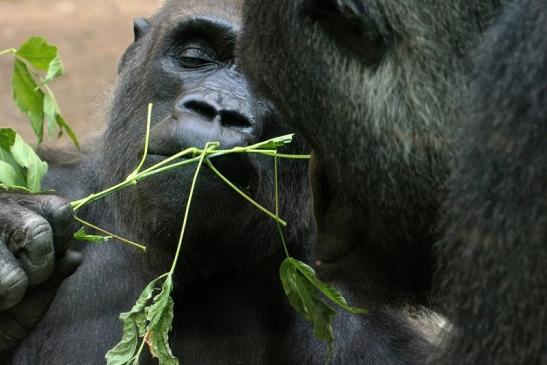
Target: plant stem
[
  {"x": 276, "y": 185},
  {"x": 165, "y": 165},
  {"x": 138, "y": 354},
  {"x": 110, "y": 233},
  {"x": 248, "y": 198},
  {"x": 161, "y": 168},
  {"x": 146, "y": 143},
  {"x": 189, "y": 202},
  {"x": 7, "y": 51},
  {"x": 272, "y": 153}
]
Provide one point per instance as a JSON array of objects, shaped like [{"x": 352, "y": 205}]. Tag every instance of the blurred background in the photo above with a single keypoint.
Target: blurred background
[{"x": 91, "y": 36}]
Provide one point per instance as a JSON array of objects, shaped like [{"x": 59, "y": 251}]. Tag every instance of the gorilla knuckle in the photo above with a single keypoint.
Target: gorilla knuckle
[
  {"x": 32, "y": 245},
  {"x": 60, "y": 209}
]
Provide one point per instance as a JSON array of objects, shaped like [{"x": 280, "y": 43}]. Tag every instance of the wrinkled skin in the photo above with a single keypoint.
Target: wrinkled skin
[{"x": 229, "y": 304}]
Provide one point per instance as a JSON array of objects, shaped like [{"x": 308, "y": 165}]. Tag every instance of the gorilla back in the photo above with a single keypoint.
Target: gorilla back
[{"x": 493, "y": 257}]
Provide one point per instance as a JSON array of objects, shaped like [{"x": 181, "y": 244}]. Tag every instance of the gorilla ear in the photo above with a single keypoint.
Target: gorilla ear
[{"x": 141, "y": 26}]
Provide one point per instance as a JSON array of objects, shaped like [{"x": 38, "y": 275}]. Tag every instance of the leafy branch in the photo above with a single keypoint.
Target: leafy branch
[{"x": 36, "y": 64}]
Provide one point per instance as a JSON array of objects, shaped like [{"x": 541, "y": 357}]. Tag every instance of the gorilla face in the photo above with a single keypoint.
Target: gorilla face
[
  {"x": 186, "y": 65},
  {"x": 370, "y": 85}
]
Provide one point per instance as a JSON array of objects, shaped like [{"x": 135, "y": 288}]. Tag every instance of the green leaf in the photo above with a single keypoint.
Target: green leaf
[
  {"x": 8, "y": 175},
  {"x": 37, "y": 52},
  {"x": 53, "y": 117},
  {"x": 63, "y": 126},
  {"x": 305, "y": 298},
  {"x": 82, "y": 235},
  {"x": 21, "y": 173},
  {"x": 134, "y": 326},
  {"x": 55, "y": 69},
  {"x": 49, "y": 113},
  {"x": 328, "y": 290},
  {"x": 28, "y": 97},
  {"x": 160, "y": 317},
  {"x": 26, "y": 157},
  {"x": 27, "y": 170},
  {"x": 7, "y": 138}
]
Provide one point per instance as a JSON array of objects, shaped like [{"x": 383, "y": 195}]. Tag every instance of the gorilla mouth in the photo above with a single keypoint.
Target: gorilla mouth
[
  {"x": 172, "y": 136},
  {"x": 240, "y": 169}
]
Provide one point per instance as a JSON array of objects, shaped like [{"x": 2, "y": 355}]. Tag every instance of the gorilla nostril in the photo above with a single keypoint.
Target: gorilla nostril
[
  {"x": 234, "y": 119},
  {"x": 201, "y": 108}
]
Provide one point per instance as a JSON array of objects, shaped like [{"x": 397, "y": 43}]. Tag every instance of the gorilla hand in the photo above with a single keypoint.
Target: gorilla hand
[{"x": 35, "y": 234}]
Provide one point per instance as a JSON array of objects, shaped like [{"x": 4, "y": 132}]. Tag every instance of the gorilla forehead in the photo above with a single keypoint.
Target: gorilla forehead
[{"x": 228, "y": 10}]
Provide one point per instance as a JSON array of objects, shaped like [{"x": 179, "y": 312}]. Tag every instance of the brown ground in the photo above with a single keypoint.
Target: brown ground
[{"x": 91, "y": 36}]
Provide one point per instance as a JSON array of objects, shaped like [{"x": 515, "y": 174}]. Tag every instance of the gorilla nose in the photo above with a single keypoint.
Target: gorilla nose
[
  {"x": 198, "y": 119},
  {"x": 230, "y": 113}
]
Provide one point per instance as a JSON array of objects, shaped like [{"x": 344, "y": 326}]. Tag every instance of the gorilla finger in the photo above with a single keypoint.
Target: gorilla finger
[
  {"x": 30, "y": 238},
  {"x": 35, "y": 251},
  {"x": 31, "y": 309},
  {"x": 58, "y": 212},
  {"x": 65, "y": 266},
  {"x": 13, "y": 279}
]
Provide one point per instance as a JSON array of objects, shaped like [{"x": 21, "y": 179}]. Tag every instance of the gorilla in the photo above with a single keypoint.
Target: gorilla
[
  {"x": 492, "y": 273},
  {"x": 229, "y": 304},
  {"x": 380, "y": 91},
  {"x": 373, "y": 87}
]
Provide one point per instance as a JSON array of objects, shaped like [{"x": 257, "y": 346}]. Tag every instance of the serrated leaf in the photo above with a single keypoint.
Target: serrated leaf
[
  {"x": 305, "y": 298},
  {"x": 82, "y": 235},
  {"x": 28, "y": 97},
  {"x": 160, "y": 318},
  {"x": 328, "y": 290},
  {"x": 53, "y": 117},
  {"x": 134, "y": 326},
  {"x": 6, "y": 157},
  {"x": 8, "y": 175},
  {"x": 37, "y": 52},
  {"x": 63, "y": 126},
  {"x": 55, "y": 69},
  {"x": 23, "y": 161},
  {"x": 25, "y": 156}
]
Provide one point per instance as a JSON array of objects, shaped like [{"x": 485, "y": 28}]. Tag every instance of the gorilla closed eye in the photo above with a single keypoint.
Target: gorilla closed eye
[
  {"x": 195, "y": 57},
  {"x": 208, "y": 39}
]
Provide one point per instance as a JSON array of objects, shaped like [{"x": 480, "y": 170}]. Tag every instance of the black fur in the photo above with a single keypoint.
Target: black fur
[
  {"x": 380, "y": 92},
  {"x": 492, "y": 259},
  {"x": 373, "y": 87}
]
